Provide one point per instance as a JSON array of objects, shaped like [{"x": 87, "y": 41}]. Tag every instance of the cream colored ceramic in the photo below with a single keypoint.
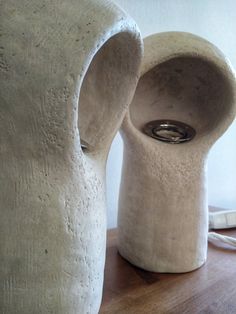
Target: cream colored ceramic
[
  {"x": 68, "y": 70},
  {"x": 163, "y": 208}
]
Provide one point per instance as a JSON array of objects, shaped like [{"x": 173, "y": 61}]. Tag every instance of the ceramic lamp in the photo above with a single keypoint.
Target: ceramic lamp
[
  {"x": 184, "y": 101},
  {"x": 68, "y": 70}
]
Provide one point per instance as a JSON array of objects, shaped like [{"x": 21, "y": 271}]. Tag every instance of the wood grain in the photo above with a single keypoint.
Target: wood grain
[{"x": 210, "y": 289}]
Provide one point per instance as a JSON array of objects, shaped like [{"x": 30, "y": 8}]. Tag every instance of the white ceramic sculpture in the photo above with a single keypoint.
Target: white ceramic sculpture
[
  {"x": 63, "y": 64},
  {"x": 184, "y": 102}
]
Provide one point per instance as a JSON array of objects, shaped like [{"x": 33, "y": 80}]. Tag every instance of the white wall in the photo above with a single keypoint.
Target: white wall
[{"x": 215, "y": 20}]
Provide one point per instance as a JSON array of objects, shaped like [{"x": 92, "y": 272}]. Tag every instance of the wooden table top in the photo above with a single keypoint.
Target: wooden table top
[{"x": 210, "y": 289}]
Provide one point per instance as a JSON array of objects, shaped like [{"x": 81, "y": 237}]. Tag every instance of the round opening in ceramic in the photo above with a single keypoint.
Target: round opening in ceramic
[
  {"x": 188, "y": 89},
  {"x": 169, "y": 131},
  {"x": 105, "y": 90}
]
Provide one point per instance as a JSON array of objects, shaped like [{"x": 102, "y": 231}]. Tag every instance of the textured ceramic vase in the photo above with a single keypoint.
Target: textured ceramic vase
[
  {"x": 68, "y": 70},
  {"x": 184, "y": 101}
]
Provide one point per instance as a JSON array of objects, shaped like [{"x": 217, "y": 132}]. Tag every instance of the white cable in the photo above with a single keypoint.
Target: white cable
[
  {"x": 222, "y": 238},
  {"x": 222, "y": 219}
]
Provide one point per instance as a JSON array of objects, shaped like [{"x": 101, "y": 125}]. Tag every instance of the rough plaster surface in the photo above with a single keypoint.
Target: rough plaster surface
[
  {"x": 62, "y": 63},
  {"x": 163, "y": 208}
]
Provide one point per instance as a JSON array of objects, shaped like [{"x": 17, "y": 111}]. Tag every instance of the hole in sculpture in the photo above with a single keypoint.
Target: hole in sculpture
[
  {"x": 187, "y": 89},
  {"x": 105, "y": 89}
]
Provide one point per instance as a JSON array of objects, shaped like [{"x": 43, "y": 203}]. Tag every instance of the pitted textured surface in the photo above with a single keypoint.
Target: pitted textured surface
[
  {"x": 54, "y": 55},
  {"x": 163, "y": 207}
]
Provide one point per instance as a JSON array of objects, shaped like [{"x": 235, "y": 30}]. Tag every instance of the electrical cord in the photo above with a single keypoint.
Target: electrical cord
[{"x": 222, "y": 238}]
